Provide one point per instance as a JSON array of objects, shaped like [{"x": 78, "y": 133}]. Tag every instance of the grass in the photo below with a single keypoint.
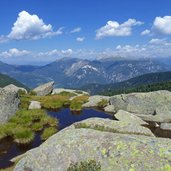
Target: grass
[
  {"x": 37, "y": 127},
  {"x": 23, "y": 135},
  {"x": 103, "y": 103},
  {"x": 76, "y": 103},
  {"x": 67, "y": 94},
  {"x": 48, "y": 132},
  {"x": 90, "y": 165},
  {"x": 17, "y": 126}
]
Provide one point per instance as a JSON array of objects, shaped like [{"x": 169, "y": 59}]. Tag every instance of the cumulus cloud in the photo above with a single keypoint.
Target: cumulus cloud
[
  {"x": 14, "y": 53},
  {"x": 145, "y": 32},
  {"x": 76, "y": 30},
  {"x": 162, "y": 25},
  {"x": 80, "y": 39},
  {"x": 31, "y": 27},
  {"x": 113, "y": 28}
]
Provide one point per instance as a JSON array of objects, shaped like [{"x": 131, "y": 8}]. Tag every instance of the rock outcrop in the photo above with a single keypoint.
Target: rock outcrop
[
  {"x": 165, "y": 126},
  {"x": 12, "y": 87},
  {"x": 94, "y": 100},
  {"x": 77, "y": 92},
  {"x": 153, "y": 106},
  {"x": 9, "y": 102},
  {"x": 44, "y": 89},
  {"x": 114, "y": 151},
  {"x": 35, "y": 105}
]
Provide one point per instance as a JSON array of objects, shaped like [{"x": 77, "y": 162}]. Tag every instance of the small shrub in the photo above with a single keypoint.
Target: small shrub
[
  {"x": 32, "y": 93},
  {"x": 90, "y": 165},
  {"x": 103, "y": 103},
  {"x": 21, "y": 92},
  {"x": 48, "y": 132},
  {"x": 23, "y": 135}
]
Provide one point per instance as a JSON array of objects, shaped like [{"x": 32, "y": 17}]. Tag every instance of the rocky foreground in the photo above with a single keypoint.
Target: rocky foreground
[{"x": 125, "y": 144}]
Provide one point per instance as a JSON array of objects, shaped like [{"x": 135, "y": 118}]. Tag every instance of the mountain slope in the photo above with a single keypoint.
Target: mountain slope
[
  {"x": 6, "y": 80},
  {"x": 74, "y": 72},
  {"x": 145, "y": 79}
]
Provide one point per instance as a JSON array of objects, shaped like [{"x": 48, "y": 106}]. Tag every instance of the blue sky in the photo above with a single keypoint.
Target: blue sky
[{"x": 44, "y": 30}]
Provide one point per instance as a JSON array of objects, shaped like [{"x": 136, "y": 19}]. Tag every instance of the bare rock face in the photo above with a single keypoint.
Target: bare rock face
[
  {"x": 9, "y": 102},
  {"x": 44, "y": 89},
  {"x": 96, "y": 139},
  {"x": 165, "y": 126},
  {"x": 12, "y": 87},
  {"x": 152, "y": 106}
]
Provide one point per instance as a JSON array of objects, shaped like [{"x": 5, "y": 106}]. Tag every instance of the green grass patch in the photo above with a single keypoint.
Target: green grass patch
[
  {"x": 76, "y": 103},
  {"x": 49, "y": 121},
  {"x": 23, "y": 135},
  {"x": 90, "y": 165},
  {"x": 67, "y": 94},
  {"x": 48, "y": 132},
  {"x": 103, "y": 103},
  {"x": 37, "y": 127}
]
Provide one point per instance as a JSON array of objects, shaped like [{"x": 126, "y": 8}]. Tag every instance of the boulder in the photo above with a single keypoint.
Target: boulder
[
  {"x": 12, "y": 87},
  {"x": 44, "y": 89},
  {"x": 129, "y": 118},
  {"x": 114, "y": 151},
  {"x": 35, "y": 105},
  {"x": 165, "y": 126},
  {"x": 124, "y": 127},
  {"x": 9, "y": 102},
  {"x": 109, "y": 108},
  {"x": 157, "y": 104},
  {"x": 77, "y": 92},
  {"x": 94, "y": 100}
]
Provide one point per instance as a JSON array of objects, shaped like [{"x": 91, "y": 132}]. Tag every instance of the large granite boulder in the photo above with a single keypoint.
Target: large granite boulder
[
  {"x": 114, "y": 151},
  {"x": 153, "y": 105},
  {"x": 12, "y": 87},
  {"x": 94, "y": 100},
  {"x": 9, "y": 102},
  {"x": 44, "y": 89}
]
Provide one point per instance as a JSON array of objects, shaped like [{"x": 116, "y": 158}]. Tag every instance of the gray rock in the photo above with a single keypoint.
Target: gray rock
[
  {"x": 94, "y": 100},
  {"x": 9, "y": 102},
  {"x": 12, "y": 87},
  {"x": 60, "y": 90},
  {"x": 109, "y": 108},
  {"x": 157, "y": 104},
  {"x": 35, "y": 105},
  {"x": 44, "y": 89},
  {"x": 120, "y": 152},
  {"x": 129, "y": 118},
  {"x": 165, "y": 126},
  {"x": 124, "y": 127}
]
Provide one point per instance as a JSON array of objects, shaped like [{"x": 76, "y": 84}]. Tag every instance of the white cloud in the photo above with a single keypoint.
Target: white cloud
[
  {"x": 14, "y": 53},
  {"x": 80, "y": 39},
  {"x": 57, "y": 53},
  {"x": 113, "y": 28},
  {"x": 76, "y": 30},
  {"x": 162, "y": 25},
  {"x": 31, "y": 27},
  {"x": 145, "y": 32}
]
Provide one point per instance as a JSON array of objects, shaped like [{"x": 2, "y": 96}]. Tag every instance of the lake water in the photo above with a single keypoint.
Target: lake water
[{"x": 8, "y": 149}]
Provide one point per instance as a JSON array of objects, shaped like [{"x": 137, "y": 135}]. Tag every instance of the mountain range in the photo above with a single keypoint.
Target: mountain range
[
  {"x": 143, "y": 80},
  {"x": 74, "y": 72}
]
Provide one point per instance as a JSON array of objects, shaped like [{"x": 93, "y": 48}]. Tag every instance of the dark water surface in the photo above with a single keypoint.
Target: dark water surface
[{"x": 9, "y": 149}]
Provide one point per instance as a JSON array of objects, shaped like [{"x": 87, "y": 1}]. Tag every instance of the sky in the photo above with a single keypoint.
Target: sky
[{"x": 39, "y": 32}]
